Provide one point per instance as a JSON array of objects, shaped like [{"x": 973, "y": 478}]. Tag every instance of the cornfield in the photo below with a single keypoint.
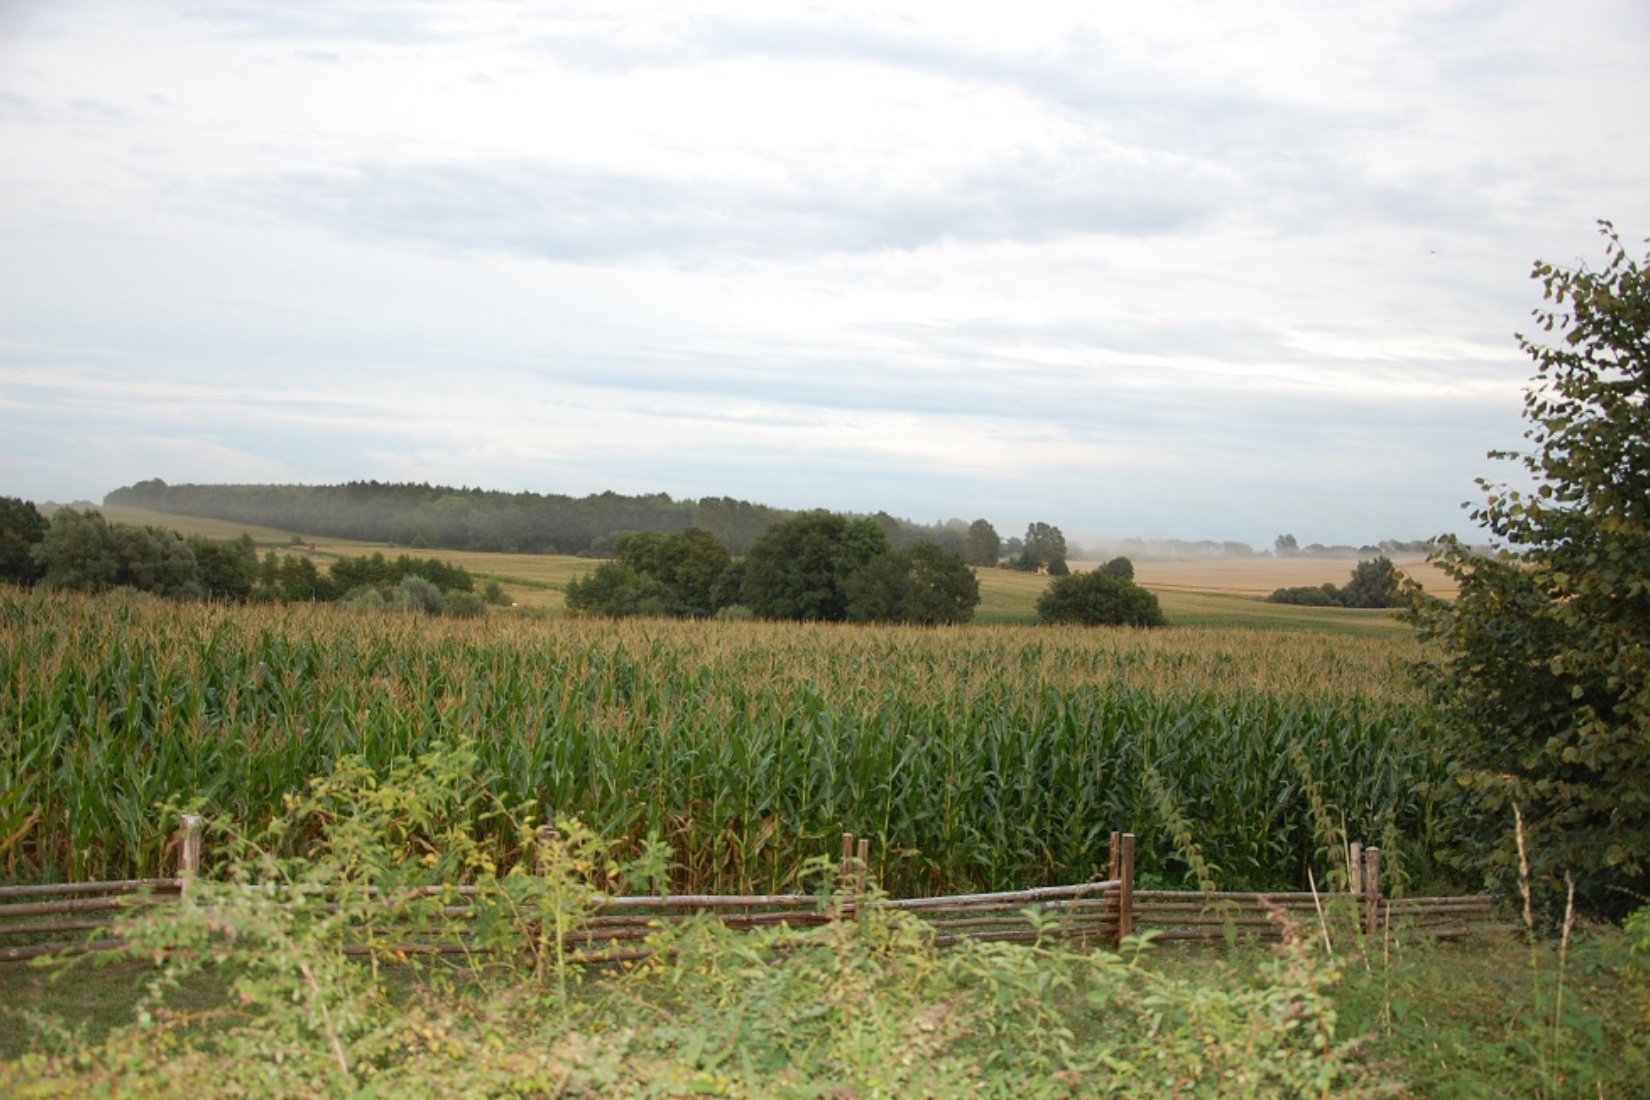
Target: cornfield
[{"x": 976, "y": 757}]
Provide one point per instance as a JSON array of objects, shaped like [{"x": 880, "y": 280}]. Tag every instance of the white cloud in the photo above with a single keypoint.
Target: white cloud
[{"x": 1199, "y": 269}]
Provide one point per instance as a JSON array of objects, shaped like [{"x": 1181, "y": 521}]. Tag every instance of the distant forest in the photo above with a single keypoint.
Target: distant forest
[{"x": 439, "y": 517}]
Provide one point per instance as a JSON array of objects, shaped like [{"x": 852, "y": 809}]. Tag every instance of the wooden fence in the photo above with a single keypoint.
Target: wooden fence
[{"x": 34, "y": 920}]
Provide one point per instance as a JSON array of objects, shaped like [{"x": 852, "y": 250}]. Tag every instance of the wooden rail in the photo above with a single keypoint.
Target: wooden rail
[{"x": 1102, "y": 911}]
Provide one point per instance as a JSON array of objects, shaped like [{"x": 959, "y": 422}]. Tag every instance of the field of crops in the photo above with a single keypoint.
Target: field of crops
[{"x": 983, "y": 756}]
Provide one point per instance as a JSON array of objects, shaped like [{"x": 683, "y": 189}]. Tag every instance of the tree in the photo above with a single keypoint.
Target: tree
[
  {"x": 77, "y": 551},
  {"x": 1045, "y": 550},
  {"x": 982, "y": 545},
  {"x": 656, "y": 574},
  {"x": 1285, "y": 546},
  {"x": 1373, "y": 584},
  {"x": 1542, "y": 663},
  {"x": 227, "y": 566},
  {"x": 800, "y": 568},
  {"x": 1097, "y": 598},
  {"x": 924, "y": 585},
  {"x": 1121, "y": 568},
  {"x": 22, "y": 528}
]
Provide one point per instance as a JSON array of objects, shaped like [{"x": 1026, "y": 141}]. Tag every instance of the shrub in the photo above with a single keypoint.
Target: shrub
[{"x": 1096, "y": 598}]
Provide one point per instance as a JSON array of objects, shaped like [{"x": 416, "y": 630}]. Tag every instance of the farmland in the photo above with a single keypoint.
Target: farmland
[
  {"x": 1242, "y": 745},
  {"x": 980, "y": 756}
]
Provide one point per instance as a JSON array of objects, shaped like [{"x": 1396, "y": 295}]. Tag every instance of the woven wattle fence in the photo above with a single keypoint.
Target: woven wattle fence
[{"x": 80, "y": 917}]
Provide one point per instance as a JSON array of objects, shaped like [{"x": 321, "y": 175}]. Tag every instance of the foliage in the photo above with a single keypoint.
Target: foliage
[
  {"x": 861, "y": 1006},
  {"x": 227, "y": 568},
  {"x": 422, "y": 515},
  {"x": 76, "y": 552},
  {"x": 1098, "y": 598},
  {"x": 923, "y": 585},
  {"x": 375, "y": 569},
  {"x": 982, "y": 545},
  {"x": 1308, "y": 595},
  {"x": 800, "y": 569},
  {"x": 678, "y": 575},
  {"x": 22, "y": 528},
  {"x": 1542, "y": 663},
  {"x": 1375, "y": 583},
  {"x": 293, "y": 578},
  {"x": 1120, "y": 567},
  {"x": 1043, "y": 550},
  {"x": 83, "y": 551}
]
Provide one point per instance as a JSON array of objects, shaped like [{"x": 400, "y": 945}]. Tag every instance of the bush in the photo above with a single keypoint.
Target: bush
[
  {"x": 465, "y": 605},
  {"x": 1323, "y": 595},
  {"x": 1096, "y": 598}
]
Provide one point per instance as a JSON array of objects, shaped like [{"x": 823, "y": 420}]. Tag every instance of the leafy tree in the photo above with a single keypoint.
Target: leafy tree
[
  {"x": 1045, "y": 550},
  {"x": 924, "y": 585},
  {"x": 81, "y": 550},
  {"x": 1373, "y": 584},
  {"x": 77, "y": 551},
  {"x": 1121, "y": 568},
  {"x": 1542, "y": 663},
  {"x": 982, "y": 545},
  {"x": 1285, "y": 546},
  {"x": 800, "y": 568},
  {"x": 22, "y": 528},
  {"x": 656, "y": 574},
  {"x": 153, "y": 559},
  {"x": 1097, "y": 598},
  {"x": 292, "y": 578},
  {"x": 620, "y": 590},
  {"x": 227, "y": 567}
]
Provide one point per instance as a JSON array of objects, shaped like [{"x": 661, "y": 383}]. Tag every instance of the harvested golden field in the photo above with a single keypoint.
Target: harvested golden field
[{"x": 1262, "y": 576}]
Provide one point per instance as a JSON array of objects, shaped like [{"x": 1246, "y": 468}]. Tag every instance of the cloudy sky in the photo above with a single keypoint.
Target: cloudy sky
[{"x": 1197, "y": 270}]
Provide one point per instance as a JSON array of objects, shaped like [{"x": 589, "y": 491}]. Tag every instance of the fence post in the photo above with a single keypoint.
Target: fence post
[
  {"x": 189, "y": 849},
  {"x": 1116, "y": 856},
  {"x": 1355, "y": 869},
  {"x": 846, "y": 887},
  {"x": 1125, "y": 893},
  {"x": 1372, "y": 890}
]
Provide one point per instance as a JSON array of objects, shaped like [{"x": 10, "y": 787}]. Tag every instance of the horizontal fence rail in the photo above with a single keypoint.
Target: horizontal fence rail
[{"x": 34, "y": 920}]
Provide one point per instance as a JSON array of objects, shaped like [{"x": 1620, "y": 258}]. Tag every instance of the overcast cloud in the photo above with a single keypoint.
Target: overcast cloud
[{"x": 1187, "y": 269}]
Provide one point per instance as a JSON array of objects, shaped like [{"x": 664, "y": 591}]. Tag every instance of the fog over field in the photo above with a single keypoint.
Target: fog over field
[{"x": 1176, "y": 270}]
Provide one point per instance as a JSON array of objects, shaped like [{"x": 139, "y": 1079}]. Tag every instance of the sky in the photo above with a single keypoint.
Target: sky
[{"x": 1158, "y": 270}]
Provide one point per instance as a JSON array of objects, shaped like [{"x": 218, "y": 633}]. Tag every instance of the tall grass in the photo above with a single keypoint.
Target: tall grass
[{"x": 976, "y": 757}]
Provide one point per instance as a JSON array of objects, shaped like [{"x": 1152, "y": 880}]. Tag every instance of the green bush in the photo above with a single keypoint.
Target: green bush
[{"x": 1097, "y": 598}]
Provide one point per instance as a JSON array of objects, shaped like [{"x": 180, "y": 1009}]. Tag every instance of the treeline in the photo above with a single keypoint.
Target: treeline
[
  {"x": 814, "y": 567},
  {"x": 422, "y": 516},
  {"x": 81, "y": 550}
]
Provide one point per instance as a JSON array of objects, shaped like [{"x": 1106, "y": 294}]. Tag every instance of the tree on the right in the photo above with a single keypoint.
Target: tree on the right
[{"x": 1540, "y": 667}]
